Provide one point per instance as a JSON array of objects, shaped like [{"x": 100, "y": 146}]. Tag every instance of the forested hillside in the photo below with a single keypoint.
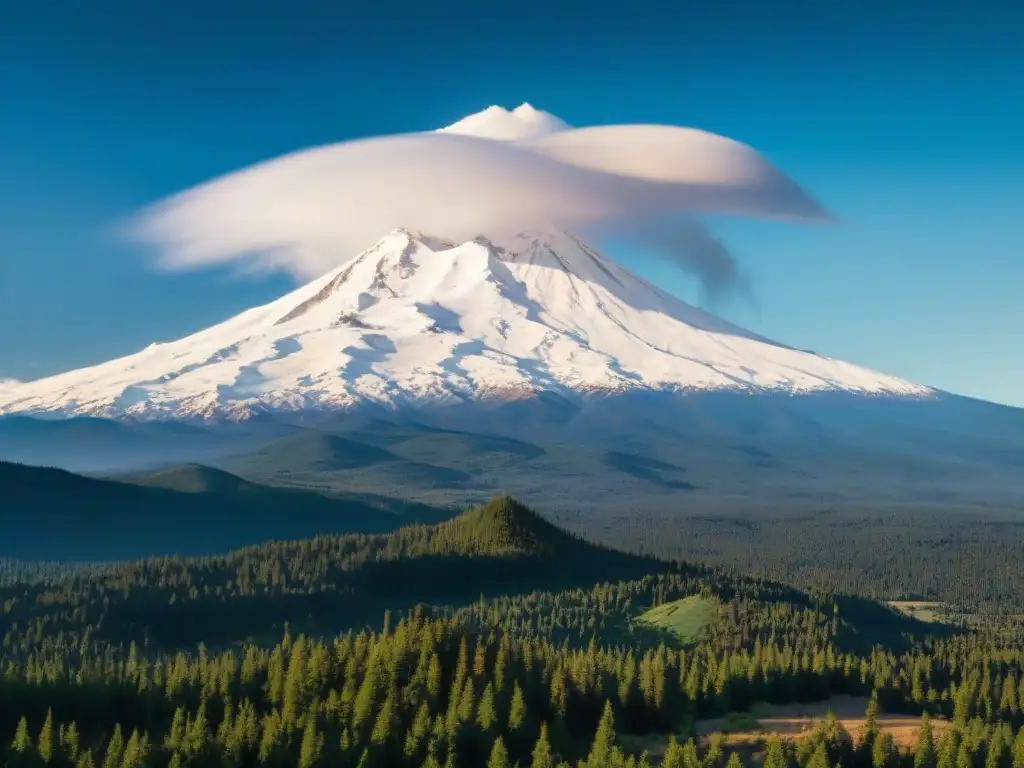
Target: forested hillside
[
  {"x": 492, "y": 639},
  {"x": 50, "y": 514}
]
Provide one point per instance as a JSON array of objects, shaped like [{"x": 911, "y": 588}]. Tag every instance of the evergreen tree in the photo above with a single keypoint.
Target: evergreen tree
[
  {"x": 603, "y": 749},
  {"x": 136, "y": 751},
  {"x": 22, "y": 743},
  {"x": 996, "y": 752},
  {"x": 115, "y": 749},
  {"x": 312, "y": 744},
  {"x": 542, "y": 756},
  {"x": 775, "y": 753},
  {"x": 517, "y": 710},
  {"x": 1018, "y": 749},
  {"x": 964, "y": 759},
  {"x": 673, "y": 757},
  {"x": 70, "y": 740},
  {"x": 486, "y": 716},
  {"x": 499, "y": 755},
  {"x": 46, "y": 744},
  {"x": 883, "y": 752},
  {"x": 870, "y": 732},
  {"x": 924, "y": 749}
]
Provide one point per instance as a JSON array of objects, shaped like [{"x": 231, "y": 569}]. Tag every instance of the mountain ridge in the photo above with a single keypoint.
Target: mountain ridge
[{"x": 51, "y": 514}]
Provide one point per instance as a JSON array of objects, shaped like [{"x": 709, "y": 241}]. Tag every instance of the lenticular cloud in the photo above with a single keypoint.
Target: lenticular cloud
[{"x": 308, "y": 211}]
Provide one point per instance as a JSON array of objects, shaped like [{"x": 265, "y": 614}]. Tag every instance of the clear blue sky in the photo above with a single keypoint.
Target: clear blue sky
[{"x": 905, "y": 118}]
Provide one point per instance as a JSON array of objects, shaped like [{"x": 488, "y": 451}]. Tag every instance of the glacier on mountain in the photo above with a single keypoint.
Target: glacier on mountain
[{"x": 415, "y": 320}]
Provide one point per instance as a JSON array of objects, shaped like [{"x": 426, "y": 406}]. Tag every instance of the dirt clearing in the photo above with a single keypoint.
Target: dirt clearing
[{"x": 791, "y": 721}]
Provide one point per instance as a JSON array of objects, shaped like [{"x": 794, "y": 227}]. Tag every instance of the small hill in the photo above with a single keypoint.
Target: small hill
[
  {"x": 51, "y": 514},
  {"x": 503, "y": 526},
  {"x": 193, "y": 478}
]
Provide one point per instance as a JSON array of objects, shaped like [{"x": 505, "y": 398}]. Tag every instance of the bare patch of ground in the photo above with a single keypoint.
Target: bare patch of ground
[
  {"x": 791, "y": 721},
  {"x": 921, "y": 610}
]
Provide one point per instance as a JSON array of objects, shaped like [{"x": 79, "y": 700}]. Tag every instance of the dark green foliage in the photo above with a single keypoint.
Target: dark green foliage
[
  {"x": 331, "y": 582},
  {"x": 500, "y": 640}
]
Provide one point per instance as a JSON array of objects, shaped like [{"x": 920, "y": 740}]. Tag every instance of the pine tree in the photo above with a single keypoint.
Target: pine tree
[
  {"x": 819, "y": 759},
  {"x": 517, "y": 710},
  {"x": 197, "y": 733},
  {"x": 715, "y": 751},
  {"x": 673, "y": 757},
  {"x": 417, "y": 734},
  {"x": 733, "y": 762},
  {"x": 70, "y": 740},
  {"x": 176, "y": 738},
  {"x": 434, "y": 679},
  {"x": 136, "y": 751},
  {"x": 294, "y": 683},
  {"x": 964, "y": 759},
  {"x": 479, "y": 658},
  {"x": 499, "y": 755},
  {"x": 386, "y": 725},
  {"x": 115, "y": 749},
  {"x": 467, "y": 702},
  {"x": 485, "y": 713},
  {"x": 312, "y": 744},
  {"x": 924, "y": 749},
  {"x": 542, "y": 757},
  {"x": 46, "y": 738},
  {"x": 22, "y": 743},
  {"x": 996, "y": 752},
  {"x": 883, "y": 751},
  {"x": 364, "y": 705},
  {"x": 949, "y": 742},
  {"x": 870, "y": 732},
  {"x": 775, "y": 754},
  {"x": 602, "y": 751},
  {"x": 270, "y": 736},
  {"x": 1018, "y": 749}
]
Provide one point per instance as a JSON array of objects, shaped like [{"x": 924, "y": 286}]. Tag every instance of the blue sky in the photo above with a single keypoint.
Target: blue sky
[{"x": 903, "y": 118}]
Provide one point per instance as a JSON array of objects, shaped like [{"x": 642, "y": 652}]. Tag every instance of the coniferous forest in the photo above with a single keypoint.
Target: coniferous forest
[{"x": 493, "y": 639}]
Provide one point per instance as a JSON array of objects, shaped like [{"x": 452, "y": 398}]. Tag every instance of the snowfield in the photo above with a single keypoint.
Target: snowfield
[{"x": 413, "y": 320}]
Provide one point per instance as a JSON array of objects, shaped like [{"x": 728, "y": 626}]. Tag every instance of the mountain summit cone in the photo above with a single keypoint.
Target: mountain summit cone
[{"x": 414, "y": 320}]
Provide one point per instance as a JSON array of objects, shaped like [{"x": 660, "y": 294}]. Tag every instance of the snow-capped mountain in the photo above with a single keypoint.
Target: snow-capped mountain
[{"x": 413, "y": 320}]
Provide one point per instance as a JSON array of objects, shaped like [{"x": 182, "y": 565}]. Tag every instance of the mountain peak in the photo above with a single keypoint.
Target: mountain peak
[
  {"x": 494, "y": 122},
  {"x": 415, "y": 320},
  {"x": 503, "y": 525}
]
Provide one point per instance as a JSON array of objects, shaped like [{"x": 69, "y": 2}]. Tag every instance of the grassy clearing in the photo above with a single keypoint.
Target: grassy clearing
[
  {"x": 921, "y": 610},
  {"x": 686, "y": 618}
]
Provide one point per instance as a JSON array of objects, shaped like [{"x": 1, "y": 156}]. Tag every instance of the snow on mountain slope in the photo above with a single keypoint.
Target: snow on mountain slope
[
  {"x": 413, "y": 320},
  {"x": 523, "y": 122}
]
